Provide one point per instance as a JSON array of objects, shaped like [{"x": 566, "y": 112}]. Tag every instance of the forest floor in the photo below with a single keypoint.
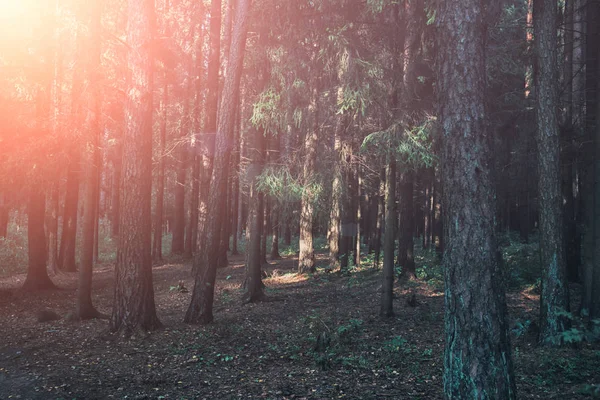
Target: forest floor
[{"x": 317, "y": 337}]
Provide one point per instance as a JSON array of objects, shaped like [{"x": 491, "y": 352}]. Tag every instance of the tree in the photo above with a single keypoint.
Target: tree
[
  {"x": 555, "y": 296},
  {"x": 477, "y": 359},
  {"x": 253, "y": 283},
  {"x": 306, "y": 259},
  {"x": 387, "y": 290},
  {"x": 133, "y": 307},
  {"x": 211, "y": 104},
  {"x": 37, "y": 275},
  {"x": 85, "y": 309},
  {"x": 200, "y": 309},
  {"x": 160, "y": 178}
]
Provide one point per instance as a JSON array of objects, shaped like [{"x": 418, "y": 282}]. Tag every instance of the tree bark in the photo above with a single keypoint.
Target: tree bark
[
  {"x": 4, "y": 215},
  {"x": 66, "y": 255},
  {"x": 211, "y": 106},
  {"x": 477, "y": 358},
  {"x": 555, "y": 296},
  {"x": 84, "y": 308},
  {"x": 254, "y": 285},
  {"x": 160, "y": 179},
  {"x": 387, "y": 289},
  {"x": 200, "y": 309},
  {"x": 306, "y": 259},
  {"x": 37, "y": 275},
  {"x": 133, "y": 308},
  {"x": 406, "y": 243}
]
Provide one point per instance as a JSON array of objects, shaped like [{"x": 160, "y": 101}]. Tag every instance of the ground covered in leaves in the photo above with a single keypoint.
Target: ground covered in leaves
[{"x": 316, "y": 337}]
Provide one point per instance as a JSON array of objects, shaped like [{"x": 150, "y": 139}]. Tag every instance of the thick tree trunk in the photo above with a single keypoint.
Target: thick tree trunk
[
  {"x": 133, "y": 307},
  {"x": 592, "y": 94},
  {"x": 196, "y": 159},
  {"x": 37, "y": 275},
  {"x": 84, "y": 308},
  {"x": 306, "y": 259},
  {"x": 200, "y": 309},
  {"x": 594, "y": 122},
  {"x": 555, "y": 295},
  {"x": 387, "y": 289},
  {"x": 211, "y": 106},
  {"x": 477, "y": 360}
]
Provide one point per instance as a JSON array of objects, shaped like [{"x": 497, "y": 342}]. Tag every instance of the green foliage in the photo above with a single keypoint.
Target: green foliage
[
  {"x": 345, "y": 331},
  {"x": 13, "y": 251},
  {"x": 355, "y": 99},
  {"x": 396, "y": 344},
  {"x": 521, "y": 261},
  {"x": 579, "y": 331},
  {"x": 521, "y": 328},
  {"x": 409, "y": 145},
  {"x": 267, "y": 111},
  {"x": 278, "y": 181}
]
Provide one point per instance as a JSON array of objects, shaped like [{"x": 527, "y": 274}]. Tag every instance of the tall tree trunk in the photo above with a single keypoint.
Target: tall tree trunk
[
  {"x": 380, "y": 223},
  {"x": 477, "y": 359},
  {"x": 211, "y": 106},
  {"x": 406, "y": 258},
  {"x": 589, "y": 122},
  {"x": 555, "y": 295},
  {"x": 160, "y": 179},
  {"x": 306, "y": 259},
  {"x": 84, "y": 308},
  {"x": 51, "y": 224},
  {"x": 333, "y": 233},
  {"x": 37, "y": 275},
  {"x": 236, "y": 183},
  {"x": 200, "y": 309},
  {"x": 254, "y": 285},
  {"x": 66, "y": 255},
  {"x": 387, "y": 289},
  {"x": 196, "y": 158},
  {"x": 116, "y": 184},
  {"x": 4, "y": 214},
  {"x": 594, "y": 122},
  {"x": 178, "y": 239},
  {"x": 438, "y": 230},
  {"x": 568, "y": 170},
  {"x": 54, "y": 206},
  {"x": 358, "y": 216},
  {"x": 133, "y": 306}
]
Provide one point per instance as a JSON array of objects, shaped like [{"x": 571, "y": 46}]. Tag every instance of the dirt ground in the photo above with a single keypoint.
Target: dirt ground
[{"x": 317, "y": 337}]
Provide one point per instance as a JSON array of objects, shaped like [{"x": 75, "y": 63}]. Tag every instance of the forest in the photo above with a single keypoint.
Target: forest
[{"x": 300, "y": 199}]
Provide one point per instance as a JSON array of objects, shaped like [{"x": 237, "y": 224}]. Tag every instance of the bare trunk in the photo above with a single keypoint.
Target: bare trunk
[
  {"x": 387, "y": 289},
  {"x": 84, "y": 307},
  {"x": 306, "y": 259},
  {"x": 200, "y": 309},
  {"x": 555, "y": 296},
  {"x": 133, "y": 307},
  {"x": 477, "y": 358}
]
